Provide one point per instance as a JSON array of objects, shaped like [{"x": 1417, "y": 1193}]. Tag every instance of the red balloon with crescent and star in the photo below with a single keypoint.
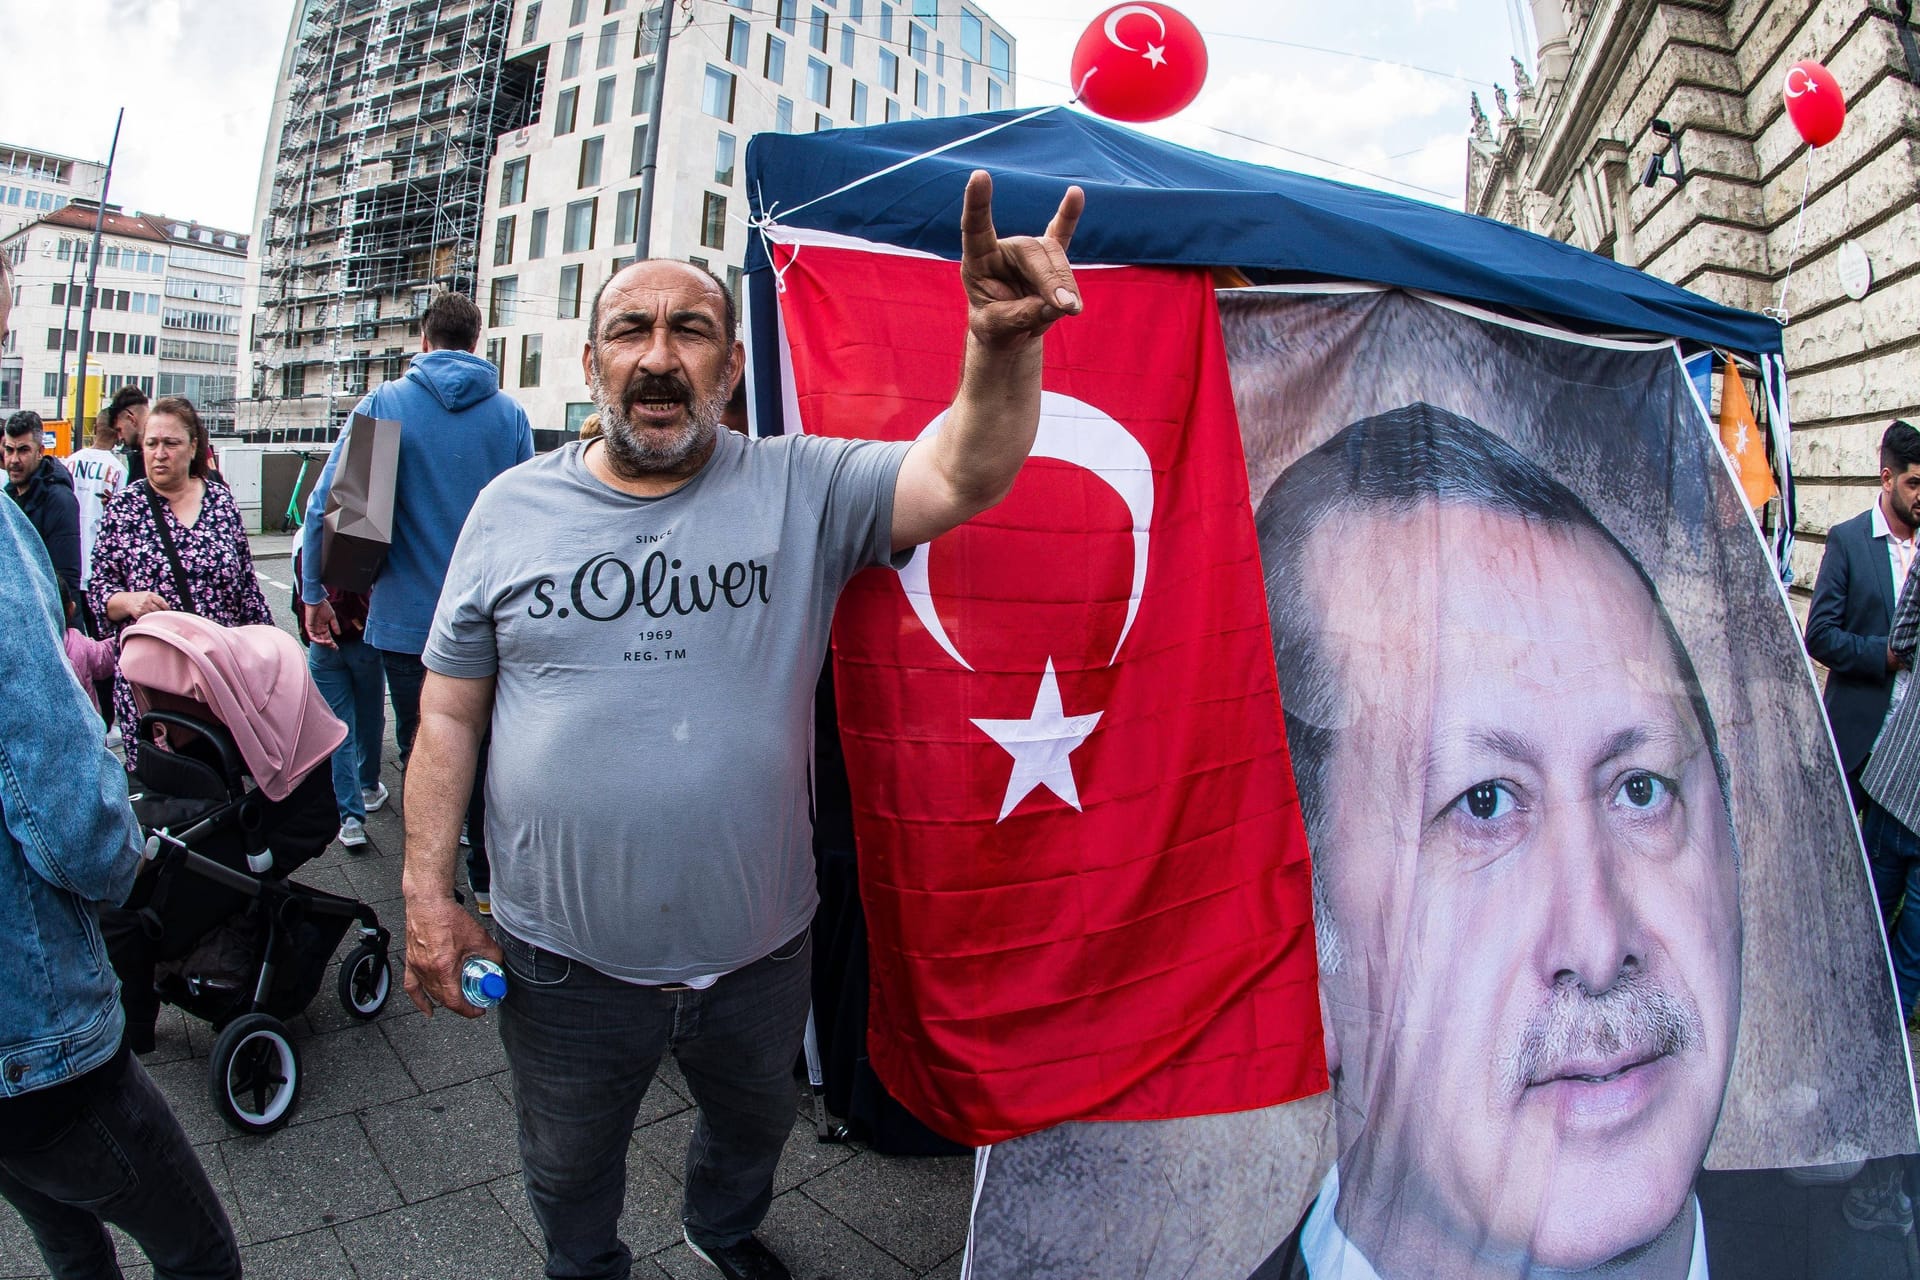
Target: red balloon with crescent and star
[
  {"x": 1139, "y": 62},
  {"x": 1814, "y": 102}
]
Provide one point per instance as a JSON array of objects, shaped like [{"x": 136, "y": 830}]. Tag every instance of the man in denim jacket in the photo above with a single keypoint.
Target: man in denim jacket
[{"x": 85, "y": 1137}]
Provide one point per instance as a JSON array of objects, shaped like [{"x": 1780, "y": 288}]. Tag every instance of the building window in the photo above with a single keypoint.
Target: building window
[
  {"x": 846, "y": 45},
  {"x": 530, "y": 359},
  {"x": 646, "y": 35},
  {"x": 497, "y": 357},
  {"x": 920, "y": 90},
  {"x": 503, "y": 299},
  {"x": 723, "y": 153},
  {"x": 819, "y": 82},
  {"x": 890, "y": 71},
  {"x": 859, "y": 111},
  {"x": 565, "y": 116},
  {"x": 713, "y": 221},
  {"x": 787, "y": 14},
  {"x": 893, "y": 110},
  {"x": 775, "y": 66},
  {"x": 569, "y": 308},
  {"x": 966, "y": 77},
  {"x": 531, "y": 23},
  {"x": 537, "y": 235},
  {"x": 716, "y": 95},
  {"x": 1000, "y": 55},
  {"x": 626, "y": 213},
  {"x": 856, "y": 10},
  {"x": 579, "y": 14},
  {"x": 917, "y": 43},
  {"x": 295, "y": 378},
  {"x": 783, "y": 115},
  {"x": 503, "y": 241},
  {"x": 639, "y": 159},
  {"x": 821, "y": 122},
  {"x": 615, "y": 6},
  {"x": 513, "y": 181},
  {"x": 993, "y": 95},
  {"x": 643, "y": 92},
  {"x": 943, "y": 99},
  {"x": 570, "y": 60},
  {"x": 886, "y": 22},
  {"x": 578, "y": 236},
  {"x": 603, "y": 101},
  {"x": 940, "y": 57},
  {"x": 50, "y": 385},
  {"x": 926, "y": 10},
  {"x": 578, "y": 411},
  {"x": 739, "y": 35},
  {"x": 817, "y": 30},
  {"x": 590, "y": 152},
  {"x": 609, "y": 46}
]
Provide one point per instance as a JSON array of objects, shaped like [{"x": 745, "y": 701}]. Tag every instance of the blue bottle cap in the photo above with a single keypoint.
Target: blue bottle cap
[{"x": 493, "y": 986}]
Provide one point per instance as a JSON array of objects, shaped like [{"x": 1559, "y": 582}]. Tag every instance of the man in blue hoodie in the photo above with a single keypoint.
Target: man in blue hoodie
[{"x": 457, "y": 432}]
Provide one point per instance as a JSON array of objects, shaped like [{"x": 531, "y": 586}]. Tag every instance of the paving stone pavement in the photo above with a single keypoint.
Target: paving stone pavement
[{"x": 400, "y": 1161}]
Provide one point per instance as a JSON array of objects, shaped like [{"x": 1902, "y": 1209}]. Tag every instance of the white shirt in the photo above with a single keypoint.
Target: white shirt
[
  {"x": 1330, "y": 1255},
  {"x": 1899, "y": 557},
  {"x": 98, "y": 474}
]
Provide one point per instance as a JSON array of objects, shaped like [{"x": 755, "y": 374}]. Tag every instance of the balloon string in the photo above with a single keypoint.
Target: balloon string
[{"x": 1778, "y": 313}]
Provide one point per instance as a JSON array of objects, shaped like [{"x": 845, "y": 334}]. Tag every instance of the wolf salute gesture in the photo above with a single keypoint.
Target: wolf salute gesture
[{"x": 639, "y": 889}]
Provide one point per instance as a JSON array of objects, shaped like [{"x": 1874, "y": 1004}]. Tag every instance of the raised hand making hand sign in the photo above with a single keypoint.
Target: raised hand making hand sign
[{"x": 1016, "y": 289}]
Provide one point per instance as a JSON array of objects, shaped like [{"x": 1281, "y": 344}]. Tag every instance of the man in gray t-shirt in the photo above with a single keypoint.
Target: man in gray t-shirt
[{"x": 640, "y": 619}]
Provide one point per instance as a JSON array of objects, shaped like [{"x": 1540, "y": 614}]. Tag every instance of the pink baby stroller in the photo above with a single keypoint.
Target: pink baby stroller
[{"x": 230, "y": 756}]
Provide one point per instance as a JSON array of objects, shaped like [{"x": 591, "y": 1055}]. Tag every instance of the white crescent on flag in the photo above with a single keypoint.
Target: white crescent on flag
[
  {"x": 1807, "y": 83},
  {"x": 1070, "y": 431}
]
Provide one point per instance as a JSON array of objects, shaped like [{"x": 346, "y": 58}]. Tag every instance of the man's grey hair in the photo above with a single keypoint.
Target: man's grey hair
[
  {"x": 1391, "y": 461},
  {"x": 730, "y": 321}
]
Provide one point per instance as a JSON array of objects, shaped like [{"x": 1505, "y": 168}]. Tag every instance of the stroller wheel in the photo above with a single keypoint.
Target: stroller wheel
[
  {"x": 365, "y": 981},
  {"x": 255, "y": 1074}
]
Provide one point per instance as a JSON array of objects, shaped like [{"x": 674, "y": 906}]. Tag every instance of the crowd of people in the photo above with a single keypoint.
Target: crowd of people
[{"x": 642, "y": 903}]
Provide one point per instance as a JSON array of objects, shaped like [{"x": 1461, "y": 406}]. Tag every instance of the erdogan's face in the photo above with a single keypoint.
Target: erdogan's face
[{"x": 1529, "y": 864}]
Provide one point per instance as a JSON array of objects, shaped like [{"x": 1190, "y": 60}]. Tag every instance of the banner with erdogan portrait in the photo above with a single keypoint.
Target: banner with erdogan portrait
[{"x": 1601, "y": 967}]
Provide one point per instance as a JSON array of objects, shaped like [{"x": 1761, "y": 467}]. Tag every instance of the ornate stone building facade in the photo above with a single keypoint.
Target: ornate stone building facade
[{"x": 1570, "y": 153}]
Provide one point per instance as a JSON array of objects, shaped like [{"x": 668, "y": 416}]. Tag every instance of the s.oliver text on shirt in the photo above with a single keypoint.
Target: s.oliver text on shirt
[{"x": 606, "y": 588}]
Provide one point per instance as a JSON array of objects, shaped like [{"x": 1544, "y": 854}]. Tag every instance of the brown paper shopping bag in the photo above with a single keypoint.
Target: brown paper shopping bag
[{"x": 358, "y": 526}]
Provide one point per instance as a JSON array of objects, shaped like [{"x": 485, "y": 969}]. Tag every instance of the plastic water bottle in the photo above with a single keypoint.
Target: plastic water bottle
[{"x": 482, "y": 982}]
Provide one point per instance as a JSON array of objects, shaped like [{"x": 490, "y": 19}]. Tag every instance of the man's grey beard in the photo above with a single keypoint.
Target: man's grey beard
[{"x": 630, "y": 455}]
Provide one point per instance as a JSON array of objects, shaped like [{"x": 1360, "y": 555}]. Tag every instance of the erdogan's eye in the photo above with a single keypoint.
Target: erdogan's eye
[
  {"x": 1643, "y": 791},
  {"x": 1486, "y": 801}
]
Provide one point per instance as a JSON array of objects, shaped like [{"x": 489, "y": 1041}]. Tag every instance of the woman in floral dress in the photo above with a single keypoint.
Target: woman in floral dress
[{"x": 133, "y": 574}]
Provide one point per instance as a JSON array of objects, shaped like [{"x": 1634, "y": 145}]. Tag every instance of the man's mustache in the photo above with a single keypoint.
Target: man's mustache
[
  {"x": 658, "y": 387},
  {"x": 1634, "y": 1020}
]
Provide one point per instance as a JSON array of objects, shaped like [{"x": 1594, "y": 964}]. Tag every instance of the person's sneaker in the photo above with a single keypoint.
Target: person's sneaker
[
  {"x": 353, "y": 833},
  {"x": 374, "y": 797},
  {"x": 463, "y": 834},
  {"x": 747, "y": 1260},
  {"x": 1881, "y": 1206},
  {"x": 483, "y": 902}
]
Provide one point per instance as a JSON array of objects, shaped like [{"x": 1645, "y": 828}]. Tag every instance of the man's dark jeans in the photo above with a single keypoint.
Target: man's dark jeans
[
  {"x": 584, "y": 1048},
  {"x": 123, "y": 1160},
  {"x": 1893, "y": 856},
  {"x": 406, "y": 675}
]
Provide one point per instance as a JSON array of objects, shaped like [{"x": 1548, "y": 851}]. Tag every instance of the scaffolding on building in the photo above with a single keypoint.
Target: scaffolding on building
[{"x": 392, "y": 109}]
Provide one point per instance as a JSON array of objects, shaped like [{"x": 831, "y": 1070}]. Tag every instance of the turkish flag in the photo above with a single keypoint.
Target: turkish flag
[{"x": 1081, "y": 854}]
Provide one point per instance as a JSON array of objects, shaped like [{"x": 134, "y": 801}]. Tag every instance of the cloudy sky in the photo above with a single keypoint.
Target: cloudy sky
[{"x": 1387, "y": 107}]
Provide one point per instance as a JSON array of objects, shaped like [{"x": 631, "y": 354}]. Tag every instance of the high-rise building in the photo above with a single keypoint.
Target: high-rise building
[
  {"x": 33, "y": 183},
  {"x": 564, "y": 193},
  {"x": 370, "y": 196},
  {"x": 166, "y": 310}
]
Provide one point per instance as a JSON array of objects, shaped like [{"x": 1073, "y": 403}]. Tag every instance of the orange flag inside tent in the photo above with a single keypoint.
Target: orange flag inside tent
[{"x": 1745, "y": 443}]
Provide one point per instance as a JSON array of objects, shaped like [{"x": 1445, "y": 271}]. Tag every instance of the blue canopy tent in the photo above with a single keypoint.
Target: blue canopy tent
[{"x": 1154, "y": 203}]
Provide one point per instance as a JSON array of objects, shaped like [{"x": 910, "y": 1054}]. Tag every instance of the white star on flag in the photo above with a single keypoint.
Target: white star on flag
[
  {"x": 1156, "y": 54},
  {"x": 1740, "y": 439},
  {"x": 1040, "y": 746}
]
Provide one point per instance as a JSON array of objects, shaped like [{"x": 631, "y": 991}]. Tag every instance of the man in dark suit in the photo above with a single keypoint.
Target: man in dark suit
[
  {"x": 1853, "y": 598},
  {"x": 1526, "y": 874}
]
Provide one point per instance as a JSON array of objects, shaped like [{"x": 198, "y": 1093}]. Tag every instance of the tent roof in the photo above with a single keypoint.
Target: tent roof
[{"x": 1151, "y": 202}]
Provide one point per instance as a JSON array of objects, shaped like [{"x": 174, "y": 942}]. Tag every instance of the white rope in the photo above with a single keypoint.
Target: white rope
[
  {"x": 760, "y": 222},
  {"x": 1778, "y": 313}
]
